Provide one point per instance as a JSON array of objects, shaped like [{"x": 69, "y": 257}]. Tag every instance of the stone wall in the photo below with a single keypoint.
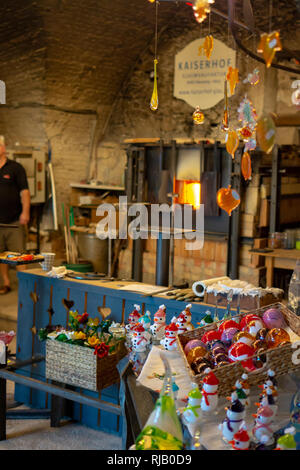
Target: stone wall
[{"x": 78, "y": 75}]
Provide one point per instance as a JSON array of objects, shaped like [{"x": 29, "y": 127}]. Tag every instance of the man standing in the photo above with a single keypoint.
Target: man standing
[{"x": 14, "y": 209}]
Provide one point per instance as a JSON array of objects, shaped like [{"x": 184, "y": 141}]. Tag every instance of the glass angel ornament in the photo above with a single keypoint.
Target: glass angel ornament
[
  {"x": 232, "y": 78},
  {"x": 207, "y": 46},
  {"x": 268, "y": 46}
]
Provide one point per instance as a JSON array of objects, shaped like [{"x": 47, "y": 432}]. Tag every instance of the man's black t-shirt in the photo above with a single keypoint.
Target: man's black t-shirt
[{"x": 12, "y": 181}]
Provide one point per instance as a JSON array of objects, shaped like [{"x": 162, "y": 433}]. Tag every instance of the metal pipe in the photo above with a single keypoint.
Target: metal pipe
[
  {"x": 162, "y": 261},
  {"x": 59, "y": 392}
]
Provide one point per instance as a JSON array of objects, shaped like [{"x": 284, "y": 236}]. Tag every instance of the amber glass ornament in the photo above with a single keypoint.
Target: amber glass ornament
[
  {"x": 265, "y": 133},
  {"x": 245, "y": 133},
  {"x": 228, "y": 199},
  {"x": 232, "y": 78},
  {"x": 268, "y": 46},
  {"x": 232, "y": 142},
  {"x": 246, "y": 166},
  {"x": 276, "y": 337},
  {"x": 195, "y": 353},
  {"x": 154, "y": 98},
  {"x": 201, "y": 9},
  {"x": 208, "y": 46},
  {"x": 198, "y": 116}
]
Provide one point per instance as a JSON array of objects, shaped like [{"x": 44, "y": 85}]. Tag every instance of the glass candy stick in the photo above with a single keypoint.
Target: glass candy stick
[
  {"x": 225, "y": 120},
  {"x": 154, "y": 98},
  {"x": 163, "y": 429}
]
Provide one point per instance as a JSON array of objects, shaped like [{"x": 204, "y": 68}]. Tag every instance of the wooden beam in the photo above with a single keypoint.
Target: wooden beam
[{"x": 287, "y": 120}]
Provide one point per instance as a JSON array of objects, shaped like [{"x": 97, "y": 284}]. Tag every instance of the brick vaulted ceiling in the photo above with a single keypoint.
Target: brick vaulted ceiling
[
  {"x": 82, "y": 51},
  {"x": 79, "y": 54}
]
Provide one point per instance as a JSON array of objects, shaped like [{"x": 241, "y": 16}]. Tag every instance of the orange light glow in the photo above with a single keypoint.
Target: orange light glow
[{"x": 189, "y": 192}]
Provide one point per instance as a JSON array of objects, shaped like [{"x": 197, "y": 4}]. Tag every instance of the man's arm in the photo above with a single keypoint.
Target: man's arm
[{"x": 25, "y": 200}]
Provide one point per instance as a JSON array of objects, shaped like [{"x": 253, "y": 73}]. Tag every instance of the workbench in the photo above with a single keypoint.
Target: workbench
[
  {"x": 41, "y": 303},
  {"x": 278, "y": 258}
]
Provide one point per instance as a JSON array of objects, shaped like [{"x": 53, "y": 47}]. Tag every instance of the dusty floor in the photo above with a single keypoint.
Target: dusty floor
[{"x": 36, "y": 434}]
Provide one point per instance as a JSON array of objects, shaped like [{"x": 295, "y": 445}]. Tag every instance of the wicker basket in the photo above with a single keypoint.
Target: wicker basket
[
  {"x": 279, "y": 359},
  {"x": 79, "y": 366}
]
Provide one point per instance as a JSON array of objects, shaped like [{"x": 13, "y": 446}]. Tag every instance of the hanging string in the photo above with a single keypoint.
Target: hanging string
[
  {"x": 156, "y": 29},
  {"x": 154, "y": 98},
  {"x": 270, "y": 14}
]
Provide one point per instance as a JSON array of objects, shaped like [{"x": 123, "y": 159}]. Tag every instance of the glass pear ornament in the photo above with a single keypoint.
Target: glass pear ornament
[{"x": 228, "y": 199}]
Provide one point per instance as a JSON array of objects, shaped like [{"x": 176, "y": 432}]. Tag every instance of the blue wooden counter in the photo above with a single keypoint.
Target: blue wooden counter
[{"x": 40, "y": 296}]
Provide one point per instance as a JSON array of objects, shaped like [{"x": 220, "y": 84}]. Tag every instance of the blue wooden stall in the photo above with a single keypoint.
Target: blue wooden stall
[{"x": 40, "y": 296}]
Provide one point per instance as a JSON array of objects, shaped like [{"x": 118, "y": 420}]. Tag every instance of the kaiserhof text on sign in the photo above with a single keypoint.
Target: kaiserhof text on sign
[{"x": 200, "y": 81}]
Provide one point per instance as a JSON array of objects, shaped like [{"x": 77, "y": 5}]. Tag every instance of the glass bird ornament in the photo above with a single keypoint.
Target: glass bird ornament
[
  {"x": 268, "y": 46},
  {"x": 154, "y": 98},
  {"x": 253, "y": 77},
  {"x": 163, "y": 429},
  {"x": 265, "y": 133},
  {"x": 246, "y": 166},
  {"x": 198, "y": 116},
  {"x": 228, "y": 199},
  {"x": 232, "y": 77},
  {"x": 232, "y": 142},
  {"x": 201, "y": 9}
]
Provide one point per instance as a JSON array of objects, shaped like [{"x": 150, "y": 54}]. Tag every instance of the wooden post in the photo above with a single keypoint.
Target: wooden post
[{"x": 270, "y": 270}]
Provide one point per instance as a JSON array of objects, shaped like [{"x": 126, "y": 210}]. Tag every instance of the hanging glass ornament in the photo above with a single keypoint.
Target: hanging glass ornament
[
  {"x": 253, "y": 77},
  {"x": 268, "y": 46},
  {"x": 198, "y": 116},
  {"x": 246, "y": 166},
  {"x": 201, "y": 9},
  {"x": 245, "y": 133},
  {"x": 228, "y": 199},
  {"x": 208, "y": 45},
  {"x": 265, "y": 133},
  {"x": 225, "y": 119},
  {"x": 250, "y": 144},
  {"x": 247, "y": 113},
  {"x": 232, "y": 142},
  {"x": 154, "y": 98},
  {"x": 232, "y": 77},
  {"x": 296, "y": 93}
]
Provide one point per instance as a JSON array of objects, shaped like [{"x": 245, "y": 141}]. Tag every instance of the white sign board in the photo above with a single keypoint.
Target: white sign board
[{"x": 200, "y": 81}]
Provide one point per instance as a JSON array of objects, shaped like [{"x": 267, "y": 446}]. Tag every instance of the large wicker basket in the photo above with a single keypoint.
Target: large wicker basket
[
  {"x": 279, "y": 359},
  {"x": 79, "y": 366}
]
